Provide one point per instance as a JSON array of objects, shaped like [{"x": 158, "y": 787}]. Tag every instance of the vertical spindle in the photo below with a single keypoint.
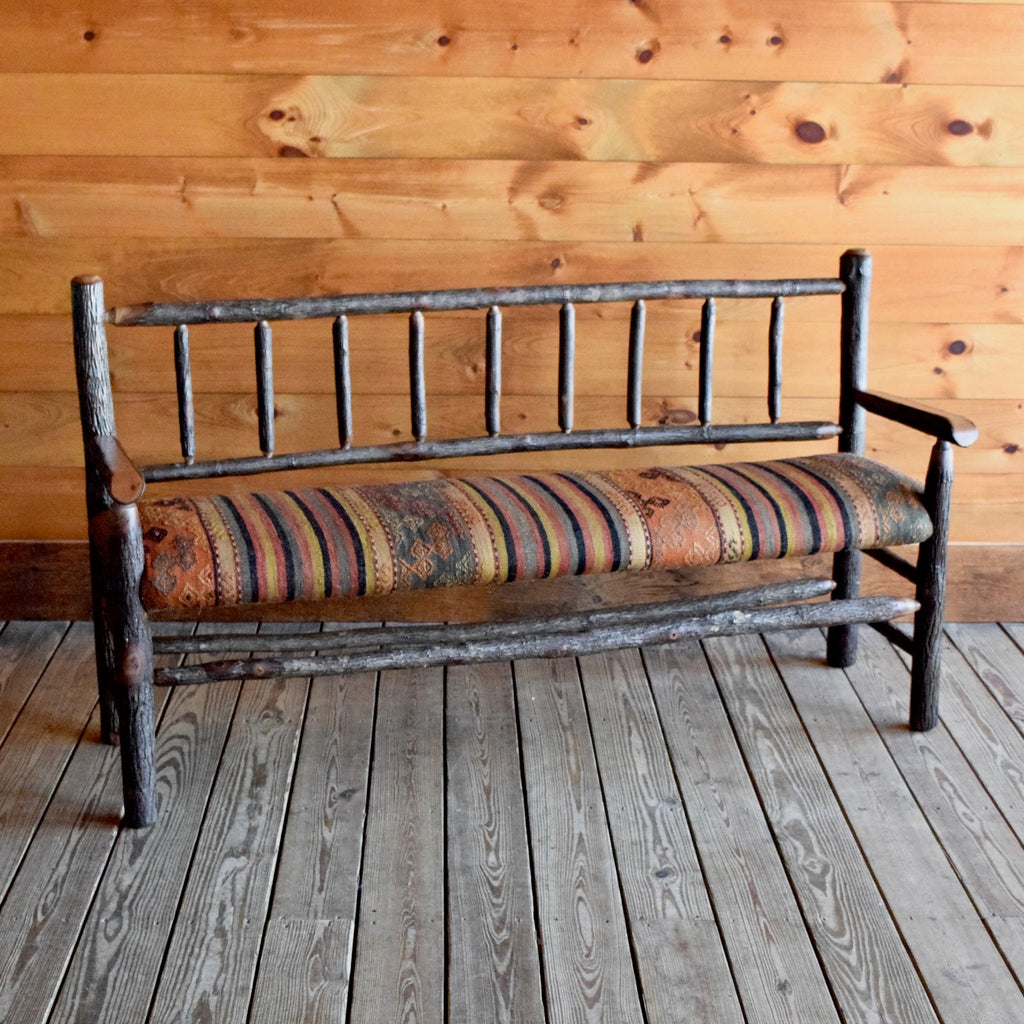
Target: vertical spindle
[
  {"x": 707, "y": 351},
  {"x": 186, "y": 406},
  {"x": 566, "y": 365},
  {"x": 417, "y": 382},
  {"x": 775, "y": 359},
  {"x": 342, "y": 381},
  {"x": 265, "y": 386},
  {"x": 637, "y": 321},
  {"x": 493, "y": 372}
]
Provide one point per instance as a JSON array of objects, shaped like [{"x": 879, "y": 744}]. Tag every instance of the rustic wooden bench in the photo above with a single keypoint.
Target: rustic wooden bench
[{"x": 181, "y": 553}]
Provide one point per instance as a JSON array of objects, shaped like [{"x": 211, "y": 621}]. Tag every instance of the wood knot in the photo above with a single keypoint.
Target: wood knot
[
  {"x": 646, "y": 52},
  {"x": 810, "y": 132}
]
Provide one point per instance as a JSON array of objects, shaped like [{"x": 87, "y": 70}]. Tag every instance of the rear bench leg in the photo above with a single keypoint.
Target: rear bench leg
[
  {"x": 125, "y": 653},
  {"x": 931, "y": 592},
  {"x": 841, "y": 648}
]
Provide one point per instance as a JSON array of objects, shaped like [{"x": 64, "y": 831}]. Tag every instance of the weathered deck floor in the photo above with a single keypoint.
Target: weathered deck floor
[{"x": 724, "y": 834}]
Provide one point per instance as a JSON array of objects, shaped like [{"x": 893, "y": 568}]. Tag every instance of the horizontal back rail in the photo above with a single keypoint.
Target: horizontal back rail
[{"x": 172, "y": 314}]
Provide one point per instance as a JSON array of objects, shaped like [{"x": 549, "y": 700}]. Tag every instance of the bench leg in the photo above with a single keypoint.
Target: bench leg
[
  {"x": 931, "y": 593},
  {"x": 125, "y": 657},
  {"x": 105, "y": 675},
  {"x": 841, "y": 648}
]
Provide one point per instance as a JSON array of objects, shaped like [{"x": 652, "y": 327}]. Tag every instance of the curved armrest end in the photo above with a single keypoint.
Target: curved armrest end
[
  {"x": 958, "y": 430},
  {"x": 121, "y": 477}
]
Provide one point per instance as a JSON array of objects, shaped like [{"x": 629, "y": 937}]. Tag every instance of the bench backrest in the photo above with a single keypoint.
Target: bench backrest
[{"x": 852, "y": 282}]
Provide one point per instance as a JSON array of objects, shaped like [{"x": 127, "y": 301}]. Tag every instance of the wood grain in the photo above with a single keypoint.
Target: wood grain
[
  {"x": 52, "y": 893},
  {"x": 973, "y": 42},
  {"x": 587, "y": 964},
  {"x": 995, "y": 657},
  {"x": 683, "y": 972},
  {"x": 39, "y": 744},
  {"x": 326, "y": 815},
  {"x": 311, "y": 926},
  {"x": 117, "y": 960},
  {"x": 511, "y": 118},
  {"x": 494, "y": 971},
  {"x": 400, "y": 950},
  {"x": 967, "y": 958},
  {"x": 956, "y": 805},
  {"x": 231, "y": 877},
  {"x": 773, "y": 961},
  {"x": 871, "y": 791},
  {"x": 63, "y": 870},
  {"x": 510, "y": 199},
  {"x": 25, "y": 649},
  {"x": 991, "y": 743},
  {"x": 831, "y": 880},
  {"x": 309, "y": 980}
]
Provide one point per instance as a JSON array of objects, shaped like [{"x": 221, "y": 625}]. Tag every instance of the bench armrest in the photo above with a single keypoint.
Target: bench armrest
[
  {"x": 118, "y": 474},
  {"x": 945, "y": 427}
]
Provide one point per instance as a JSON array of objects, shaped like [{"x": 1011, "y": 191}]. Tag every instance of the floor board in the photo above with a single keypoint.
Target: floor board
[
  {"x": 494, "y": 967},
  {"x": 726, "y": 833}
]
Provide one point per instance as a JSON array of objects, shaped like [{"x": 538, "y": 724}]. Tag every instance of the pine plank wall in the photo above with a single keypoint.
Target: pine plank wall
[{"x": 292, "y": 146}]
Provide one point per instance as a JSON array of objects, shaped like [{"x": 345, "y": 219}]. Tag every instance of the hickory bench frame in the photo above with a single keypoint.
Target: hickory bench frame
[{"x": 125, "y": 644}]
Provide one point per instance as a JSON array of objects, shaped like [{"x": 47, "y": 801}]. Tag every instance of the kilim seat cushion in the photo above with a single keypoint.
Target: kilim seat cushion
[{"x": 337, "y": 541}]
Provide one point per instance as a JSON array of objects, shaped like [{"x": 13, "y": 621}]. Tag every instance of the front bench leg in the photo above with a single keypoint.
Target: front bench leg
[
  {"x": 125, "y": 655},
  {"x": 931, "y": 592},
  {"x": 841, "y": 647}
]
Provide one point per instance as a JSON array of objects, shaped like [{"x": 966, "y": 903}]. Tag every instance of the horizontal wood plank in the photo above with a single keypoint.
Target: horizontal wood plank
[
  {"x": 970, "y": 42},
  {"x": 512, "y": 118},
  {"x": 514, "y": 200}
]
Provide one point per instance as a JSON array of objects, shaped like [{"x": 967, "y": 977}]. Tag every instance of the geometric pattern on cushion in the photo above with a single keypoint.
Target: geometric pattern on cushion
[{"x": 374, "y": 539}]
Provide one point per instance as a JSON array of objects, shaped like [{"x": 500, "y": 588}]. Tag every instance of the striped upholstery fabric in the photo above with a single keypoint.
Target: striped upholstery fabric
[{"x": 334, "y": 541}]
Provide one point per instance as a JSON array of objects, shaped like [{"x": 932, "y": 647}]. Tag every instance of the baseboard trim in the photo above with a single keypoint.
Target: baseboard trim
[{"x": 50, "y": 580}]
